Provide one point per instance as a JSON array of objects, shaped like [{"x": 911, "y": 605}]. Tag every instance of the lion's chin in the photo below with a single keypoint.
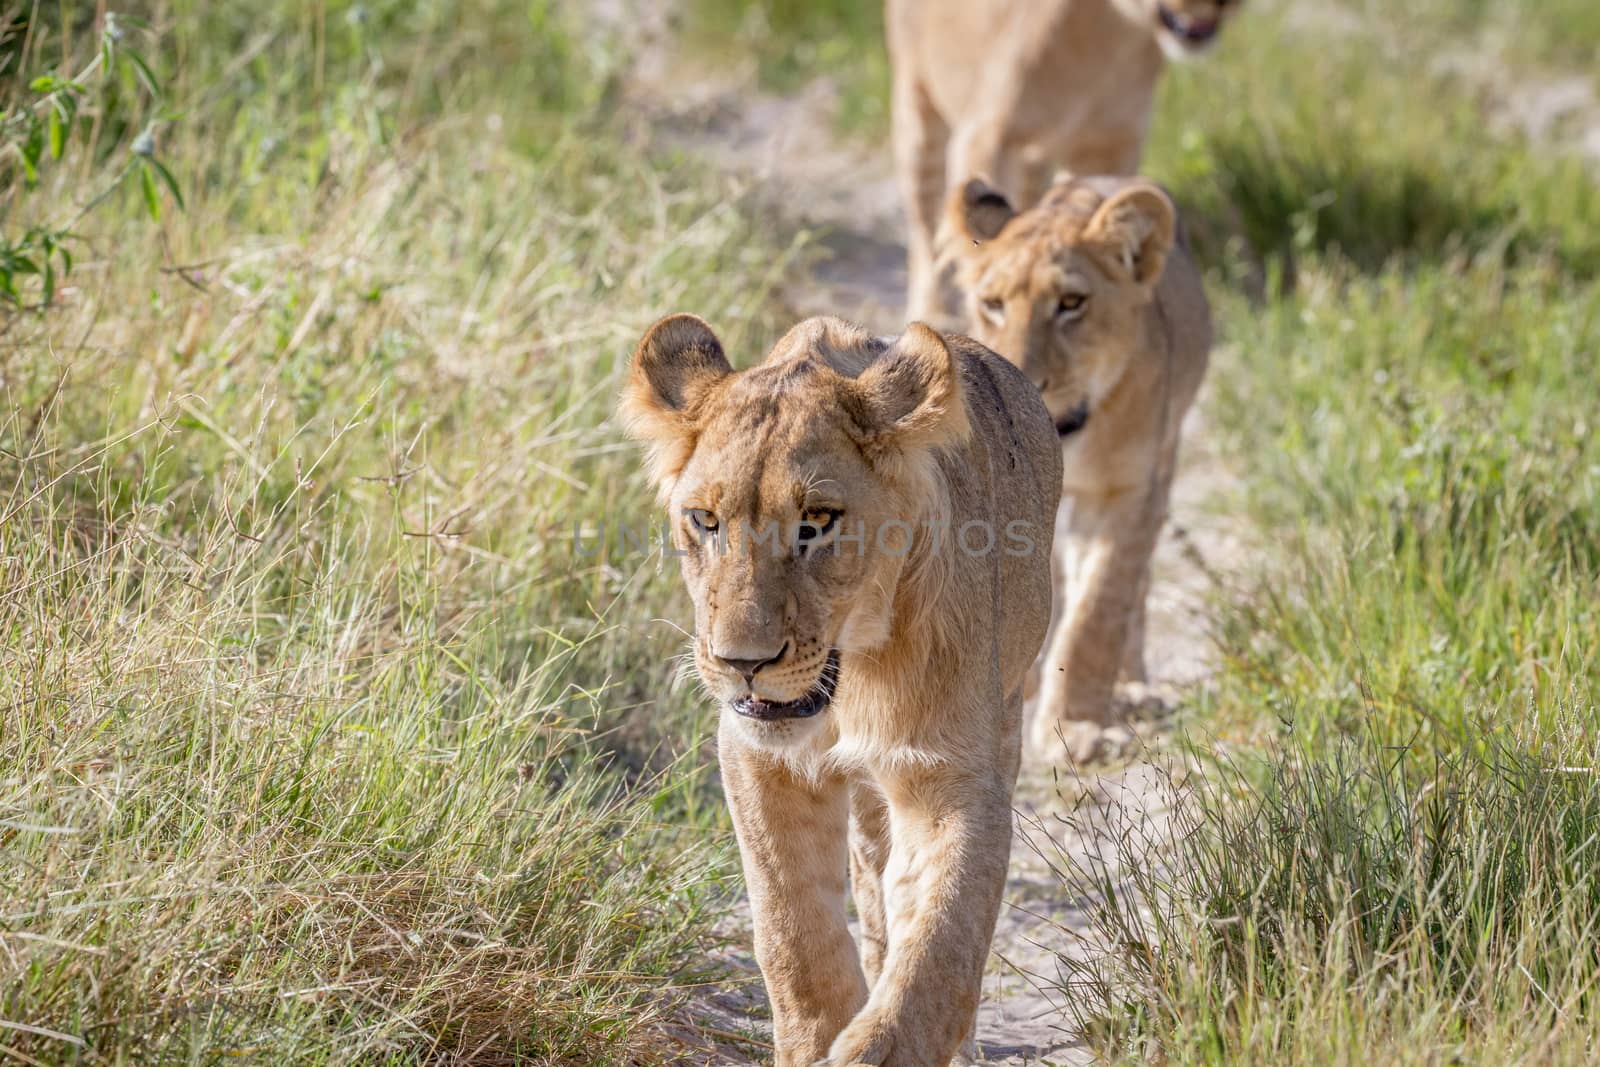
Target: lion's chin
[
  {"x": 1182, "y": 38},
  {"x": 790, "y": 739}
]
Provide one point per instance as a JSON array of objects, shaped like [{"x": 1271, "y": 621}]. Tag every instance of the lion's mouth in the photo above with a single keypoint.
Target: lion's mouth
[
  {"x": 1191, "y": 31},
  {"x": 820, "y": 697},
  {"x": 1074, "y": 420}
]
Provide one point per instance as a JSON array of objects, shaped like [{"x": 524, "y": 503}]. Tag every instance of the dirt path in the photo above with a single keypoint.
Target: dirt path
[{"x": 845, "y": 194}]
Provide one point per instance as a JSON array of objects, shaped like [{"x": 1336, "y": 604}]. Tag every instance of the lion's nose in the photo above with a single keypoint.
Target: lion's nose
[{"x": 749, "y": 665}]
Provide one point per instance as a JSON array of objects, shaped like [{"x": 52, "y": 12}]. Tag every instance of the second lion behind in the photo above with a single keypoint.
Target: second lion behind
[{"x": 1094, "y": 295}]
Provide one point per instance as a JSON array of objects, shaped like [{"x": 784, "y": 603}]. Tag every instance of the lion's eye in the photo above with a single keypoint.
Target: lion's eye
[
  {"x": 704, "y": 523},
  {"x": 1072, "y": 305},
  {"x": 815, "y": 525},
  {"x": 994, "y": 309}
]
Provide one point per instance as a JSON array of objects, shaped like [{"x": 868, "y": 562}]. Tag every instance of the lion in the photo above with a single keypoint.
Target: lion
[
  {"x": 1018, "y": 91},
  {"x": 1094, "y": 295},
  {"x": 864, "y": 526}
]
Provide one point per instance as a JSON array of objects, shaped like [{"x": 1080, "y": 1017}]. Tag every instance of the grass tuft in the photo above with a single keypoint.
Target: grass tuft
[{"x": 1321, "y": 902}]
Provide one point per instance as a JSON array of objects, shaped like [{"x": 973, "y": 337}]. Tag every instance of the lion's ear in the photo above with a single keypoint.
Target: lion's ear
[
  {"x": 911, "y": 396},
  {"x": 675, "y": 365},
  {"x": 1138, "y": 225},
  {"x": 978, "y": 212}
]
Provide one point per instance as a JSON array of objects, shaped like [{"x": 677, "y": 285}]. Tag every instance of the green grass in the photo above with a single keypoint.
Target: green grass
[
  {"x": 1422, "y": 454},
  {"x": 1404, "y": 396},
  {"x": 1346, "y": 164},
  {"x": 1533, "y": 34},
  {"x": 1344, "y": 908},
  {"x": 318, "y": 738}
]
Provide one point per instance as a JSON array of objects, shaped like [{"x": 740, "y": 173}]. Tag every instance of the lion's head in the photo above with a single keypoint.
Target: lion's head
[
  {"x": 1062, "y": 290},
  {"x": 793, "y": 491},
  {"x": 1182, "y": 27}
]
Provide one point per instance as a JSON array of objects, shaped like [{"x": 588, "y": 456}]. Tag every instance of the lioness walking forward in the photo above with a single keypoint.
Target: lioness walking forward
[
  {"x": 865, "y": 531},
  {"x": 1093, "y": 294}
]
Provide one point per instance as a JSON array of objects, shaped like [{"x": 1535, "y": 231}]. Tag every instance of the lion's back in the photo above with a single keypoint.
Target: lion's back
[
  {"x": 1010, "y": 417},
  {"x": 1009, "y": 481}
]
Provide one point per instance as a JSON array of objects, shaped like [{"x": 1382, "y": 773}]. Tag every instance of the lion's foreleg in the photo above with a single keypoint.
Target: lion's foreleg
[
  {"x": 1109, "y": 542},
  {"x": 1133, "y": 665},
  {"x": 1106, "y": 153},
  {"x": 943, "y": 883},
  {"x": 792, "y": 843}
]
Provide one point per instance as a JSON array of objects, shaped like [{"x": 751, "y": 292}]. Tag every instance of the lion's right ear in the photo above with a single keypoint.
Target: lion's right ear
[
  {"x": 978, "y": 212},
  {"x": 674, "y": 367}
]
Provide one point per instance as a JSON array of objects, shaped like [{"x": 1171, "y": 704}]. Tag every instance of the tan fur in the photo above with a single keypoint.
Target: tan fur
[
  {"x": 1018, "y": 91},
  {"x": 1093, "y": 294},
  {"x": 904, "y": 780}
]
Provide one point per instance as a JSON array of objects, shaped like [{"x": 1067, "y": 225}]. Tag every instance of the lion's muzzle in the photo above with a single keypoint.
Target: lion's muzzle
[
  {"x": 1073, "y": 421},
  {"x": 818, "y": 698},
  {"x": 1187, "y": 28}
]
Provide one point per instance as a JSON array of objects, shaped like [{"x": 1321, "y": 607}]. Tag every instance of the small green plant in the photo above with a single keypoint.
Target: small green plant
[{"x": 40, "y": 123}]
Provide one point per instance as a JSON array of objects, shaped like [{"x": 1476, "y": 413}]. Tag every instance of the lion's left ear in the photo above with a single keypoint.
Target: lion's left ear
[
  {"x": 911, "y": 396},
  {"x": 673, "y": 369},
  {"x": 977, "y": 212},
  {"x": 1138, "y": 225}
]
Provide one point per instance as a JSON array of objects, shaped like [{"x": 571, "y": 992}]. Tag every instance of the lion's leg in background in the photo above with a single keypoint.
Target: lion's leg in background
[
  {"x": 1112, "y": 152},
  {"x": 1108, "y": 546},
  {"x": 982, "y": 148},
  {"x": 951, "y": 842},
  {"x": 920, "y": 139},
  {"x": 1133, "y": 664},
  {"x": 1035, "y": 172},
  {"x": 1060, "y": 596},
  {"x": 792, "y": 842},
  {"x": 869, "y": 853}
]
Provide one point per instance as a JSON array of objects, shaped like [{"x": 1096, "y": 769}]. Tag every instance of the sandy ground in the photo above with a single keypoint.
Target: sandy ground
[{"x": 844, "y": 194}]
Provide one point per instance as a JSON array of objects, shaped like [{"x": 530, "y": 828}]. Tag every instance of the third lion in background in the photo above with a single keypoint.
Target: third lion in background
[{"x": 1018, "y": 91}]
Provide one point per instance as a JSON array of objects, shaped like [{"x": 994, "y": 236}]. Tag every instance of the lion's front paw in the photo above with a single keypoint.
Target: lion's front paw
[
  {"x": 1145, "y": 701},
  {"x": 1087, "y": 743},
  {"x": 869, "y": 1041}
]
